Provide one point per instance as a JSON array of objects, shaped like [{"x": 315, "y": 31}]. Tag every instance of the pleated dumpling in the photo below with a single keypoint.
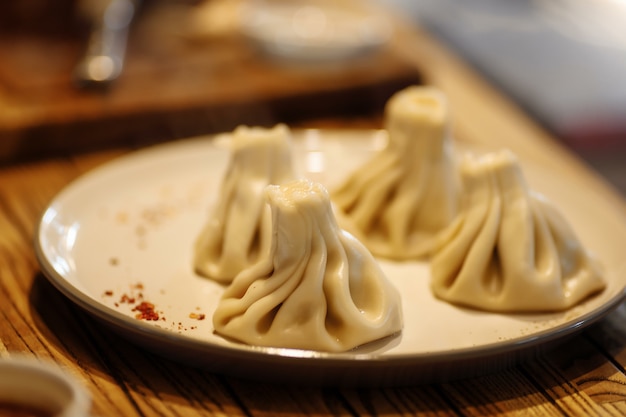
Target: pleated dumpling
[
  {"x": 401, "y": 198},
  {"x": 237, "y": 231},
  {"x": 510, "y": 250},
  {"x": 318, "y": 288}
]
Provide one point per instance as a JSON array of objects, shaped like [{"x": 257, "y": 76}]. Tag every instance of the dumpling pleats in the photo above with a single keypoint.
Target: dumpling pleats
[
  {"x": 318, "y": 288},
  {"x": 510, "y": 250},
  {"x": 238, "y": 230},
  {"x": 399, "y": 200}
]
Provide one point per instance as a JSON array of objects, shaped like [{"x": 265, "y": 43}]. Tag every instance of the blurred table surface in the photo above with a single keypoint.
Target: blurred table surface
[{"x": 583, "y": 376}]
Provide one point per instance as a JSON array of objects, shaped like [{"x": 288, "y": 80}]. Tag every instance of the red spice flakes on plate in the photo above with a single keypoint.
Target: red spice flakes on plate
[
  {"x": 127, "y": 299},
  {"x": 146, "y": 311},
  {"x": 197, "y": 316},
  {"x": 134, "y": 296}
]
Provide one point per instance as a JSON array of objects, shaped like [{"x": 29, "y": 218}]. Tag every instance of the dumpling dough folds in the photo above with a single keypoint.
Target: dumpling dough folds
[
  {"x": 318, "y": 288},
  {"x": 237, "y": 231},
  {"x": 510, "y": 250},
  {"x": 398, "y": 201}
]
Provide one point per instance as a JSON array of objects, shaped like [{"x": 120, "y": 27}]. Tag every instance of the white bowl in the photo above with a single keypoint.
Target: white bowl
[
  {"x": 314, "y": 31},
  {"x": 33, "y": 384}
]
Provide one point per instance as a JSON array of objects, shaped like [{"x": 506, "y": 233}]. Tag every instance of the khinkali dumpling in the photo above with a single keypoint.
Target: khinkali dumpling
[
  {"x": 510, "y": 250},
  {"x": 318, "y": 288},
  {"x": 398, "y": 201},
  {"x": 237, "y": 231}
]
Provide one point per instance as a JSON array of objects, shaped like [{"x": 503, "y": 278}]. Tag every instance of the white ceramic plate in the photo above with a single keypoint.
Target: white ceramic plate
[{"x": 128, "y": 227}]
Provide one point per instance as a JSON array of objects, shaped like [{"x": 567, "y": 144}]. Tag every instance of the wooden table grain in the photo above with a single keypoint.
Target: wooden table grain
[{"x": 584, "y": 376}]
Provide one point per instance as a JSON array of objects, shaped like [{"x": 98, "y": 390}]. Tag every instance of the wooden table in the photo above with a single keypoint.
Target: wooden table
[{"x": 585, "y": 376}]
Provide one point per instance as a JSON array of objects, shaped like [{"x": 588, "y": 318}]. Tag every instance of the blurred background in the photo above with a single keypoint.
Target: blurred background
[
  {"x": 562, "y": 61},
  {"x": 83, "y": 74},
  {"x": 189, "y": 68}
]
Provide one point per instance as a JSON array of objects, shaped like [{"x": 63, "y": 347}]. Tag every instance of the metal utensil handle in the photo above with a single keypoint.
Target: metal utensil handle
[{"x": 104, "y": 57}]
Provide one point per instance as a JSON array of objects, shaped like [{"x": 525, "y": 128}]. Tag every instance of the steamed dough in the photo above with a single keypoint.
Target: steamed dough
[
  {"x": 509, "y": 249},
  {"x": 297, "y": 279},
  {"x": 317, "y": 287},
  {"x": 237, "y": 231},
  {"x": 400, "y": 199}
]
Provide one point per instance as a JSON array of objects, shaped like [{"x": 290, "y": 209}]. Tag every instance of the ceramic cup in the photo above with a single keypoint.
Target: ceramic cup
[{"x": 40, "y": 389}]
